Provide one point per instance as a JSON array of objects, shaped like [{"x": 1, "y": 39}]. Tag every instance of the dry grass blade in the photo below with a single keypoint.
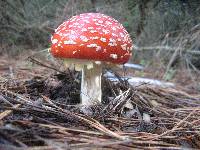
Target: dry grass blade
[
  {"x": 8, "y": 112},
  {"x": 61, "y": 129}
]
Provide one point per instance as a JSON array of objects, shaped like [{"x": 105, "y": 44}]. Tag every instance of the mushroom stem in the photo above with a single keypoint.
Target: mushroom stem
[{"x": 91, "y": 85}]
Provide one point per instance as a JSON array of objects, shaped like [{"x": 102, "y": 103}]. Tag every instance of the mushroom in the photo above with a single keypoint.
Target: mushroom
[{"x": 88, "y": 42}]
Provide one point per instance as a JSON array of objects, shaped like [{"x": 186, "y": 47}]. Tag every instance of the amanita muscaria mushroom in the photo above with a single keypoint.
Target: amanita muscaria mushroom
[{"x": 88, "y": 41}]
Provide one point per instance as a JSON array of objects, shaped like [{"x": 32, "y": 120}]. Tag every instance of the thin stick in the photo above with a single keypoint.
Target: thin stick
[{"x": 8, "y": 112}]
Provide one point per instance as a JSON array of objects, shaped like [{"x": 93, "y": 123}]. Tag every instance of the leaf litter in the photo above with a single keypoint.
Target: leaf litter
[{"x": 42, "y": 111}]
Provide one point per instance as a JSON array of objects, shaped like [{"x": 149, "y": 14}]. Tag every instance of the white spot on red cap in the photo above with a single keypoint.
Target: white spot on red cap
[
  {"x": 94, "y": 38},
  {"x": 114, "y": 28},
  {"x": 114, "y": 56},
  {"x": 108, "y": 23},
  {"x": 60, "y": 34},
  {"x": 84, "y": 29},
  {"x": 113, "y": 34},
  {"x": 121, "y": 34},
  {"x": 74, "y": 51},
  {"x": 86, "y": 17},
  {"x": 119, "y": 39},
  {"x": 69, "y": 42},
  {"x": 54, "y": 41},
  {"x": 93, "y": 31},
  {"x": 98, "y": 48},
  {"x": 103, "y": 39},
  {"x": 124, "y": 46},
  {"x": 90, "y": 28},
  {"x": 76, "y": 23},
  {"x": 112, "y": 42},
  {"x": 92, "y": 45},
  {"x": 100, "y": 21},
  {"x": 66, "y": 34},
  {"x": 105, "y": 31},
  {"x": 131, "y": 47},
  {"x": 84, "y": 38},
  {"x": 72, "y": 31},
  {"x": 99, "y": 24}
]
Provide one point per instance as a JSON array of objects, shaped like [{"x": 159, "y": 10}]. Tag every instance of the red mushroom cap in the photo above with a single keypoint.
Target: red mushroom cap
[{"x": 92, "y": 36}]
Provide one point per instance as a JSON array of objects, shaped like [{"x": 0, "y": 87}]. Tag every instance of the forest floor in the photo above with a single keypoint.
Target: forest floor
[{"x": 39, "y": 110}]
